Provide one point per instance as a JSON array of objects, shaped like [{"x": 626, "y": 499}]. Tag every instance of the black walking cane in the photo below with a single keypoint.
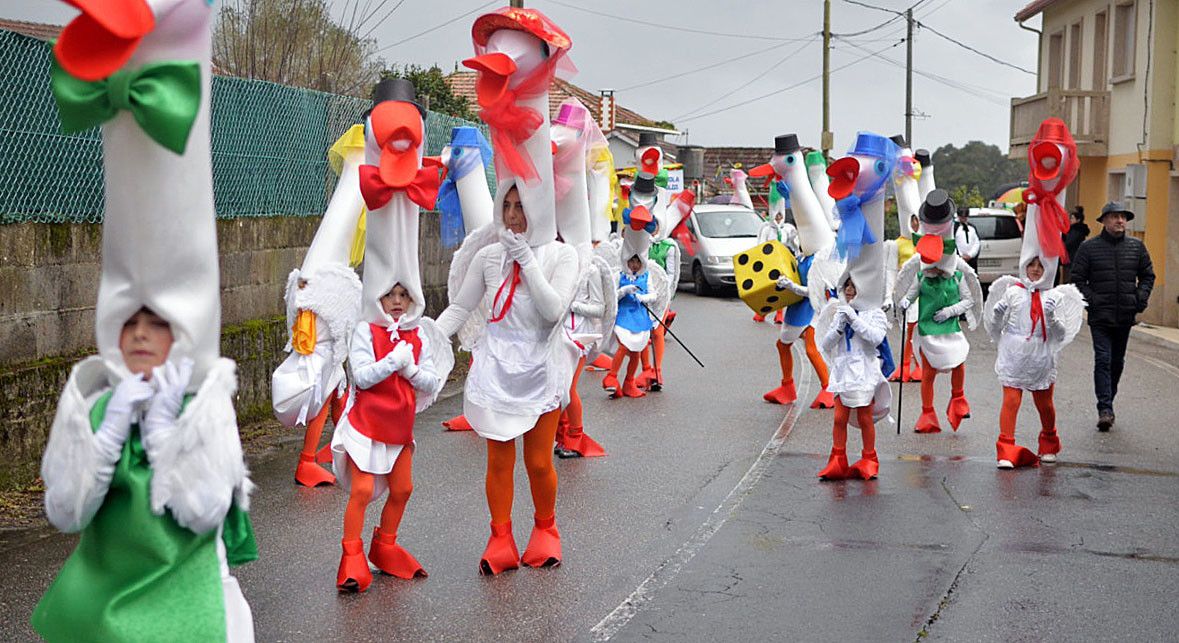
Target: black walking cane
[
  {"x": 901, "y": 369},
  {"x": 668, "y": 329}
]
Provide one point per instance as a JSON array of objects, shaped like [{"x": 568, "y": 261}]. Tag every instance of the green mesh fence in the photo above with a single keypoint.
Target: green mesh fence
[{"x": 269, "y": 145}]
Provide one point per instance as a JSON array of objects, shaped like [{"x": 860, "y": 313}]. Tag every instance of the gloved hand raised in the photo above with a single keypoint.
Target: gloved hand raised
[
  {"x": 169, "y": 382},
  {"x": 402, "y": 357},
  {"x": 628, "y": 289},
  {"x": 116, "y": 424},
  {"x": 517, "y": 247}
]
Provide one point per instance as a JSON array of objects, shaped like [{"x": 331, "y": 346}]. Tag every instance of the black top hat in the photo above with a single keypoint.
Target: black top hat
[
  {"x": 1116, "y": 206},
  {"x": 938, "y": 208},
  {"x": 398, "y": 89},
  {"x": 899, "y": 139},
  {"x": 786, "y": 144},
  {"x": 647, "y": 139},
  {"x": 644, "y": 184},
  {"x": 924, "y": 158}
]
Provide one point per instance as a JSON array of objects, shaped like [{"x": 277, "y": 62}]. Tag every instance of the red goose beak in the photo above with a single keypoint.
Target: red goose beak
[
  {"x": 931, "y": 248},
  {"x": 99, "y": 42},
  {"x": 494, "y": 70},
  {"x": 640, "y": 216},
  {"x": 1047, "y": 160},
  {"x": 762, "y": 170},
  {"x": 843, "y": 173},
  {"x": 649, "y": 160}
]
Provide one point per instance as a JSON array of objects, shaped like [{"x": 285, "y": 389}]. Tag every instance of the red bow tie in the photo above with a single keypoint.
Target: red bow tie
[{"x": 422, "y": 190}]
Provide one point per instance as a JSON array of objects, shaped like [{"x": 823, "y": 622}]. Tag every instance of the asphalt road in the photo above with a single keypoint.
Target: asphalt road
[{"x": 706, "y": 521}]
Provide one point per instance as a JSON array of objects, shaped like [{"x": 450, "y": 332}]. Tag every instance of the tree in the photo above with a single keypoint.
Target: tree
[
  {"x": 666, "y": 125},
  {"x": 976, "y": 168},
  {"x": 297, "y": 42},
  {"x": 967, "y": 196},
  {"x": 432, "y": 90}
]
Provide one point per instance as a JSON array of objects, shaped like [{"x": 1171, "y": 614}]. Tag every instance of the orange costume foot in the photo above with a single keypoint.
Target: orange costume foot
[
  {"x": 310, "y": 474},
  {"x": 784, "y": 394},
  {"x": 824, "y": 400},
  {"x": 324, "y": 455},
  {"x": 458, "y": 423},
  {"x": 354, "y": 574},
  {"x": 958, "y": 409},
  {"x": 629, "y": 389},
  {"x": 836, "y": 468},
  {"x": 610, "y": 383},
  {"x": 646, "y": 378},
  {"x": 1049, "y": 442},
  {"x": 1006, "y": 449},
  {"x": 601, "y": 363},
  {"x": 578, "y": 442},
  {"x": 866, "y": 468},
  {"x": 501, "y": 553},
  {"x": 391, "y": 558},
  {"x": 928, "y": 422},
  {"x": 544, "y": 545}
]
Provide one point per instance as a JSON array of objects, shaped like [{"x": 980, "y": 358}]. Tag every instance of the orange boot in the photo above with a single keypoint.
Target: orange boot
[
  {"x": 458, "y": 423},
  {"x": 836, "y": 468},
  {"x": 354, "y": 574},
  {"x": 866, "y": 468},
  {"x": 391, "y": 558},
  {"x": 958, "y": 409},
  {"x": 310, "y": 474},
  {"x": 1049, "y": 444},
  {"x": 928, "y": 422},
  {"x": 600, "y": 363},
  {"x": 1008, "y": 452},
  {"x": 785, "y": 393},
  {"x": 501, "y": 553},
  {"x": 544, "y": 545}
]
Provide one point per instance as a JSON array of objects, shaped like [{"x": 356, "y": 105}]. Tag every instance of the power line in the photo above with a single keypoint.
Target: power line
[
  {"x": 981, "y": 53},
  {"x": 787, "y": 88},
  {"x": 995, "y": 96},
  {"x": 750, "y": 81},
  {"x": 656, "y": 81},
  {"x": 437, "y": 27},
  {"x": 660, "y": 25}
]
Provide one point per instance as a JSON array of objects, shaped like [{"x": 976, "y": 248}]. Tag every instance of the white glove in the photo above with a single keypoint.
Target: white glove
[
  {"x": 1000, "y": 309},
  {"x": 904, "y": 304},
  {"x": 169, "y": 382},
  {"x": 628, "y": 289},
  {"x": 516, "y": 247},
  {"x": 849, "y": 313},
  {"x": 784, "y": 283},
  {"x": 1049, "y": 304},
  {"x": 941, "y": 316},
  {"x": 116, "y": 425},
  {"x": 887, "y": 305},
  {"x": 645, "y": 298},
  {"x": 402, "y": 355}
]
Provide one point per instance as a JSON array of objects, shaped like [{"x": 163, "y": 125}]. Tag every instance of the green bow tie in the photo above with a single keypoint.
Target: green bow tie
[{"x": 163, "y": 97}]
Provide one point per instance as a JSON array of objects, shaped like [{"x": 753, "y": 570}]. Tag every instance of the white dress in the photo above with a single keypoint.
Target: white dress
[
  {"x": 522, "y": 364},
  {"x": 1026, "y": 359},
  {"x": 855, "y": 365}
]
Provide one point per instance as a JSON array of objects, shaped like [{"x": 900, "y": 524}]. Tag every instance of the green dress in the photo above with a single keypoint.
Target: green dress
[
  {"x": 936, "y": 293},
  {"x": 136, "y": 576},
  {"x": 659, "y": 251}
]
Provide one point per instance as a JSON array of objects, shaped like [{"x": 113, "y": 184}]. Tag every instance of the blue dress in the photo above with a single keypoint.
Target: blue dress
[
  {"x": 632, "y": 315},
  {"x": 800, "y": 314}
]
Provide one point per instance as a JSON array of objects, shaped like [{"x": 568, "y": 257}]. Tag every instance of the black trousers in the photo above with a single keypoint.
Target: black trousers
[{"x": 1109, "y": 358}]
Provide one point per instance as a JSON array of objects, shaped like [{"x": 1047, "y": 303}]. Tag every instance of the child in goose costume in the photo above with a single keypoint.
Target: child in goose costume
[
  {"x": 853, "y": 325},
  {"x": 143, "y": 458},
  {"x": 593, "y": 308},
  {"x": 1031, "y": 320},
  {"x": 815, "y": 240},
  {"x": 945, "y": 289},
  {"x": 323, "y": 303},
  {"x": 399, "y": 358},
  {"x": 521, "y": 359},
  {"x": 906, "y": 187}
]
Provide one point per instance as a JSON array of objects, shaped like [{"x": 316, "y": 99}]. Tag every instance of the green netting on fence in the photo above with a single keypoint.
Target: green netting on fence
[{"x": 269, "y": 145}]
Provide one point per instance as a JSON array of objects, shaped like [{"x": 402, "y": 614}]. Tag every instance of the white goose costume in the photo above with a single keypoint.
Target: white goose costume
[
  {"x": 117, "y": 64},
  {"x": 816, "y": 169}
]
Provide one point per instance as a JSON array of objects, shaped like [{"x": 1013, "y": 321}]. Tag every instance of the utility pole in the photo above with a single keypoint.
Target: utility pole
[
  {"x": 519, "y": 4},
  {"x": 909, "y": 78},
  {"x": 827, "y": 139}
]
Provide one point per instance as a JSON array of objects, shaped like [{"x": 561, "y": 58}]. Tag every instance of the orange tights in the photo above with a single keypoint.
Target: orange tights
[
  {"x": 631, "y": 366},
  {"x": 400, "y": 481},
  {"x": 573, "y": 409},
  {"x": 335, "y": 404},
  {"x": 929, "y": 374},
  {"x": 786, "y": 359},
  {"x": 867, "y": 426},
  {"x": 1012, "y": 397},
  {"x": 538, "y": 461}
]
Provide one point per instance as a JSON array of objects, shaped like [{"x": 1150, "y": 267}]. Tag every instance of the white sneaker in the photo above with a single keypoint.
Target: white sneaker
[
  {"x": 1005, "y": 464},
  {"x": 1048, "y": 457}
]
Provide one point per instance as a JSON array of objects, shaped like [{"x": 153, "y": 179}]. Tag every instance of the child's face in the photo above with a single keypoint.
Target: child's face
[
  {"x": 1035, "y": 269},
  {"x": 634, "y": 264},
  {"x": 396, "y": 301},
  {"x": 849, "y": 290},
  {"x": 145, "y": 341},
  {"x": 914, "y": 223}
]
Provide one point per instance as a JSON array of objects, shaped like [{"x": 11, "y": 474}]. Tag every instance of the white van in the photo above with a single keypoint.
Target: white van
[
  {"x": 718, "y": 232},
  {"x": 1001, "y": 240}
]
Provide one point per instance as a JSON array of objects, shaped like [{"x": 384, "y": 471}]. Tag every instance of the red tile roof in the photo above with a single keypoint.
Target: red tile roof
[
  {"x": 719, "y": 160},
  {"x": 462, "y": 83},
  {"x": 37, "y": 30},
  {"x": 1034, "y": 7}
]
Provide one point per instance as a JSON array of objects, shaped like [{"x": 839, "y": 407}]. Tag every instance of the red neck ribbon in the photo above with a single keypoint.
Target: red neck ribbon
[{"x": 512, "y": 279}]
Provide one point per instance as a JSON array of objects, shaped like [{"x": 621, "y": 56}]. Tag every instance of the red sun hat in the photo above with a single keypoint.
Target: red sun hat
[
  {"x": 527, "y": 20},
  {"x": 102, "y": 39}
]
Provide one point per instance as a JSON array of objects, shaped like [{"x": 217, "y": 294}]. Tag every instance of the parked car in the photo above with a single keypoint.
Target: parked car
[
  {"x": 1001, "y": 240},
  {"x": 718, "y": 232}
]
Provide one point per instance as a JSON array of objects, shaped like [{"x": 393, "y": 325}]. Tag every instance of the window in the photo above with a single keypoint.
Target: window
[
  {"x": 1074, "y": 56},
  {"x": 1055, "y": 59},
  {"x": 992, "y": 227},
  {"x": 1099, "y": 45},
  {"x": 1125, "y": 28},
  {"x": 728, "y": 224}
]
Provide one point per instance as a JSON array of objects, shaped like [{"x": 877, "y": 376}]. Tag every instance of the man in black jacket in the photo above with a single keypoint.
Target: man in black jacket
[
  {"x": 1078, "y": 231},
  {"x": 1114, "y": 273}
]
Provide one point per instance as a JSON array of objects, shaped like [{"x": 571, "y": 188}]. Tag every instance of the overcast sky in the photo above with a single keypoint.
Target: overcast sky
[{"x": 619, "y": 44}]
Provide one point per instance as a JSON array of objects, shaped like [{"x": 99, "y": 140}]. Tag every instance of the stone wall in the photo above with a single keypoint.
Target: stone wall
[{"x": 50, "y": 277}]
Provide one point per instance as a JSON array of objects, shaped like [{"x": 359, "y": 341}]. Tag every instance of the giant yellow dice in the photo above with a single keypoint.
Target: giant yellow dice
[{"x": 757, "y": 271}]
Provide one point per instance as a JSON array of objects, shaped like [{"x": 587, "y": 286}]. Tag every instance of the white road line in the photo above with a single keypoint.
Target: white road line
[{"x": 671, "y": 567}]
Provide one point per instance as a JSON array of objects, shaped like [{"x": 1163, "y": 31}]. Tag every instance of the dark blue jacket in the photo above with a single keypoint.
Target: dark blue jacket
[{"x": 1115, "y": 276}]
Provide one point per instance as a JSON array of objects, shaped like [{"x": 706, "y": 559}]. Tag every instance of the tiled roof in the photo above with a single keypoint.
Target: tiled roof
[
  {"x": 37, "y": 30},
  {"x": 719, "y": 160},
  {"x": 462, "y": 83},
  {"x": 1034, "y": 7}
]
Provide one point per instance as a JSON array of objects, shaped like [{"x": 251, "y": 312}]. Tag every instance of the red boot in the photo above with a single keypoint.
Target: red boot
[
  {"x": 958, "y": 409},
  {"x": 324, "y": 455},
  {"x": 1007, "y": 452},
  {"x": 758, "y": 318},
  {"x": 866, "y": 468},
  {"x": 629, "y": 389},
  {"x": 544, "y": 545},
  {"x": 501, "y": 553},
  {"x": 646, "y": 378},
  {"x": 458, "y": 423},
  {"x": 824, "y": 400},
  {"x": 928, "y": 423},
  {"x": 914, "y": 374},
  {"x": 836, "y": 468},
  {"x": 583, "y": 445},
  {"x": 784, "y": 394},
  {"x": 391, "y": 558},
  {"x": 354, "y": 574},
  {"x": 610, "y": 383},
  {"x": 601, "y": 363},
  {"x": 1049, "y": 445},
  {"x": 309, "y": 474}
]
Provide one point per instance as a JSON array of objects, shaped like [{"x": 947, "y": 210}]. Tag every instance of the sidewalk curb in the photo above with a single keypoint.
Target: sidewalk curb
[{"x": 1143, "y": 334}]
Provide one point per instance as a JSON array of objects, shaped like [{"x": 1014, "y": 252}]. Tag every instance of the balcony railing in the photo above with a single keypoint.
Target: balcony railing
[{"x": 1085, "y": 112}]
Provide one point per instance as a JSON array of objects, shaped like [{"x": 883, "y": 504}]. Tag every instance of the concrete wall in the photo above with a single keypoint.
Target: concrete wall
[{"x": 50, "y": 280}]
